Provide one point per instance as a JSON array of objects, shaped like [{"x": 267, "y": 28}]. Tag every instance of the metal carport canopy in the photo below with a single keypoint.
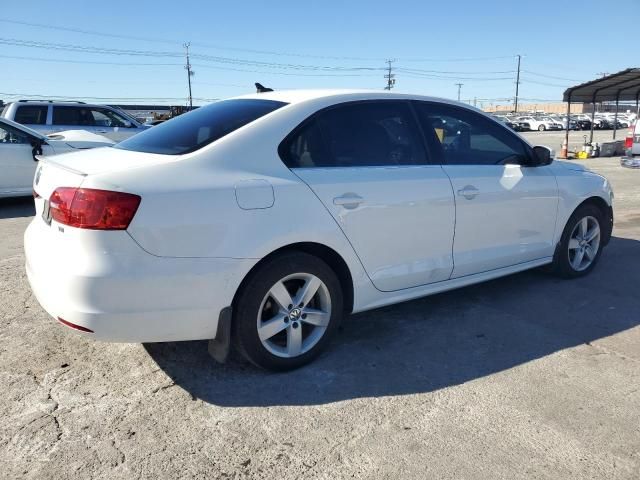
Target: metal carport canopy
[{"x": 621, "y": 86}]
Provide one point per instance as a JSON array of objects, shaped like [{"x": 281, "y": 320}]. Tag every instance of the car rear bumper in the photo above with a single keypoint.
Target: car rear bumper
[{"x": 106, "y": 283}]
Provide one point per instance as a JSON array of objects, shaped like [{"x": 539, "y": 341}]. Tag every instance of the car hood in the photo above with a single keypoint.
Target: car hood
[
  {"x": 78, "y": 139},
  {"x": 576, "y": 167}
]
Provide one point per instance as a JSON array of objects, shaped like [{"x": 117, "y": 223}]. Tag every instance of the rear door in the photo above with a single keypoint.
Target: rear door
[
  {"x": 32, "y": 116},
  {"x": 72, "y": 117},
  {"x": 367, "y": 163},
  {"x": 505, "y": 210}
]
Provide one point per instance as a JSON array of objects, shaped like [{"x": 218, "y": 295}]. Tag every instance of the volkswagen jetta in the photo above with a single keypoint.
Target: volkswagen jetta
[{"x": 262, "y": 220}]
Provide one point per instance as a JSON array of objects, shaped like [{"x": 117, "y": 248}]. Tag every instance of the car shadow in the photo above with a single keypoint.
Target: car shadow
[
  {"x": 430, "y": 343},
  {"x": 17, "y": 207}
]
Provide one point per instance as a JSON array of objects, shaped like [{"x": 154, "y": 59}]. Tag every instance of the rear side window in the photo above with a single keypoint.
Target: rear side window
[
  {"x": 357, "y": 135},
  {"x": 72, "y": 116},
  {"x": 31, "y": 114},
  {"x": 463, "y": 137},
  {"x": 195, "y": 129}
]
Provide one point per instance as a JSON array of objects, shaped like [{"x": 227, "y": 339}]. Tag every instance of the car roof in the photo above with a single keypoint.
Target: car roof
[{"x": 299, "y": 96}]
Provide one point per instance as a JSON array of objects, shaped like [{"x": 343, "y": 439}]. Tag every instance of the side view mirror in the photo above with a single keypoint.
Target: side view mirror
[
  {"x": 542, "y": 156},
  {"x": 36, "y": 143},
  {"x": 128, "y": 124}
]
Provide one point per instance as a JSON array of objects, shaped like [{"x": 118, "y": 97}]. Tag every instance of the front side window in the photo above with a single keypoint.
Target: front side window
[
  {"x": 360, "y": 134},
  {"x": 72, "y": 116},
  {"x": 463, "y": 137},
  {"x": 31, "y": 114},
  {"x": 192, "y": 131},
  {"x": 13, "y": 136}
]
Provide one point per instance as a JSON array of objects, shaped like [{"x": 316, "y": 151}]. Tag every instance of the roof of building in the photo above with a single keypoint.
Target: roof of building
[{"x": 621, "y": 86}]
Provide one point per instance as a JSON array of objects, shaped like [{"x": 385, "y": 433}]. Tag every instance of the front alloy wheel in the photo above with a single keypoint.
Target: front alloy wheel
[
  {"x": 581, "y": 243},
  {"x": 584, "y": 243}
]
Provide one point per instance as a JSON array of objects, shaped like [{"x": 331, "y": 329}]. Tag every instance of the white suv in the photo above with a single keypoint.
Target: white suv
[{"x": 50, "y": 117}]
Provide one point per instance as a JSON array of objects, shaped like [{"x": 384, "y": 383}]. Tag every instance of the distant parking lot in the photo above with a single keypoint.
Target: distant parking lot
[{"x": 524, "y": 377}]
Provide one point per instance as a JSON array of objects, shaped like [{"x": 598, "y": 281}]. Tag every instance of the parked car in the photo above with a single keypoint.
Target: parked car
[
  {"x": 50, "y": 117},
  {"x": 19, "y": 147},
  {"x": 573, "y": 125},
  {"x": 267, "y": 218},
  {"x": 512, "y": 125},
  {"x": 539, "y": 123}
]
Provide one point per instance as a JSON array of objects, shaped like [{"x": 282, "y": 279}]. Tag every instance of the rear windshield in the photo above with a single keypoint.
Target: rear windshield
[{"x": 195, "y": 129}]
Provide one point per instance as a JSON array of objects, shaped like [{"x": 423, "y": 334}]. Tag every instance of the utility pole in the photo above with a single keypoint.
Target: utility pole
[
  {"x": 391, "y": 78},
  {"x": 459, "y": 88},
  {"x": 515, "y": 103},
  {"x": 190, "y": 73}
]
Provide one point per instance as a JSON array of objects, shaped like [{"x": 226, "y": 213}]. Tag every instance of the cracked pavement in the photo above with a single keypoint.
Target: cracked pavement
[{"x": 526, "y": 377}]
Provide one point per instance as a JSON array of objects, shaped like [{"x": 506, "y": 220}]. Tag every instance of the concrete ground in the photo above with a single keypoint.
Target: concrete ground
[
  {"x": 576, "y": 138},
  {"x": 526, "y": 377}
]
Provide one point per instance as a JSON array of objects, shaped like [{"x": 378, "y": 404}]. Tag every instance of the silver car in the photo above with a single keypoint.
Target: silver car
[{"x": 50, "y": 117}]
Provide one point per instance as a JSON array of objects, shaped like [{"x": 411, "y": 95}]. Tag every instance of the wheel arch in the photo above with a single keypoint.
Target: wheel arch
[
  {"x": 327, "y": 254},
  {"x": 607, "y": 213}
]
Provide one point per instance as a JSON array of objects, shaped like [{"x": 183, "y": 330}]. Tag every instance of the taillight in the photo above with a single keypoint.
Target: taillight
[
  {"x": 628, "y": 142},
  {"x": 93, "y": 209}
]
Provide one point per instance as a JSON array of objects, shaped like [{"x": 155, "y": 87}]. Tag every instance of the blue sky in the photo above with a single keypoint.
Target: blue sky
[{"x": 306, "y": 44}]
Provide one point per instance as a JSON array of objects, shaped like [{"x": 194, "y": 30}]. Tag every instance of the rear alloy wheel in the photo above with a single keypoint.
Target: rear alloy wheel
[
  {"x": 581, "y": 243},
  {"x": 287, "y": 311},
  {"x": 541, "y": 128}
]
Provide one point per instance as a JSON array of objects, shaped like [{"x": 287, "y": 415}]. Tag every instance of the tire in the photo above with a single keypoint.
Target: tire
[
  {"x": 566, "y": 261},
  {"x": 258, "y": 308},
  {"x": 541, "y": 128}
]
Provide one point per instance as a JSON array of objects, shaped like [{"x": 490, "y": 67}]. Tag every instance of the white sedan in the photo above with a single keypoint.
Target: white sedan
[
  {"x": 541, "y": 124},
  {"x": 264, "y": 219},
  {"x": 20, "y": 146}
]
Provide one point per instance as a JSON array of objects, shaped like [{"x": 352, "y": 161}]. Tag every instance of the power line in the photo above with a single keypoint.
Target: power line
[
  {"x": 172, "y": 54},
  {"x": 527, "y": 80},
  {"x": 551, "y": 76},
  {"x": 417, "y": 70},
  {"x": 75, "y": 97},
  {"x": 452, "y": 77}
]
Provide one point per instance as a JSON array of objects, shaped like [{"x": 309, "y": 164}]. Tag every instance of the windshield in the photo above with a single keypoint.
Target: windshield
[{"x": 192, "y": 131}]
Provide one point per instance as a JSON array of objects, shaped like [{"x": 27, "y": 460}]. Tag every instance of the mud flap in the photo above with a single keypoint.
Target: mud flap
[{"x": 219, "y": 347}]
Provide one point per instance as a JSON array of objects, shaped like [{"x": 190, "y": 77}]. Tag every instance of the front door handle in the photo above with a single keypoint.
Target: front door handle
[
  {"x": 101, "y": 131},
  {"x": 348, "y": 200},
  {"x": 469, "y": 192}
]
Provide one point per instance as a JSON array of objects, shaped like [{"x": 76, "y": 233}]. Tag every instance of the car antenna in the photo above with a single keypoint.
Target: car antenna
[{"x": 262, "y": 89}]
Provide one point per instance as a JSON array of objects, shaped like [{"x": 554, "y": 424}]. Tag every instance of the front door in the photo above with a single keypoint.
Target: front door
[
  {"x": 505, "y": 210},
  {"x": 17, "y": 165},
  {"x": 366, "y": 162}
]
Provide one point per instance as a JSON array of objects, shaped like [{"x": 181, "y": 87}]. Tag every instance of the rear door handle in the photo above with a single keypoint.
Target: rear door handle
[
  {"x": 469, "y": 192},
  {"x": 348, "y": 200},
  {"x": 101, "y": 131}
]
